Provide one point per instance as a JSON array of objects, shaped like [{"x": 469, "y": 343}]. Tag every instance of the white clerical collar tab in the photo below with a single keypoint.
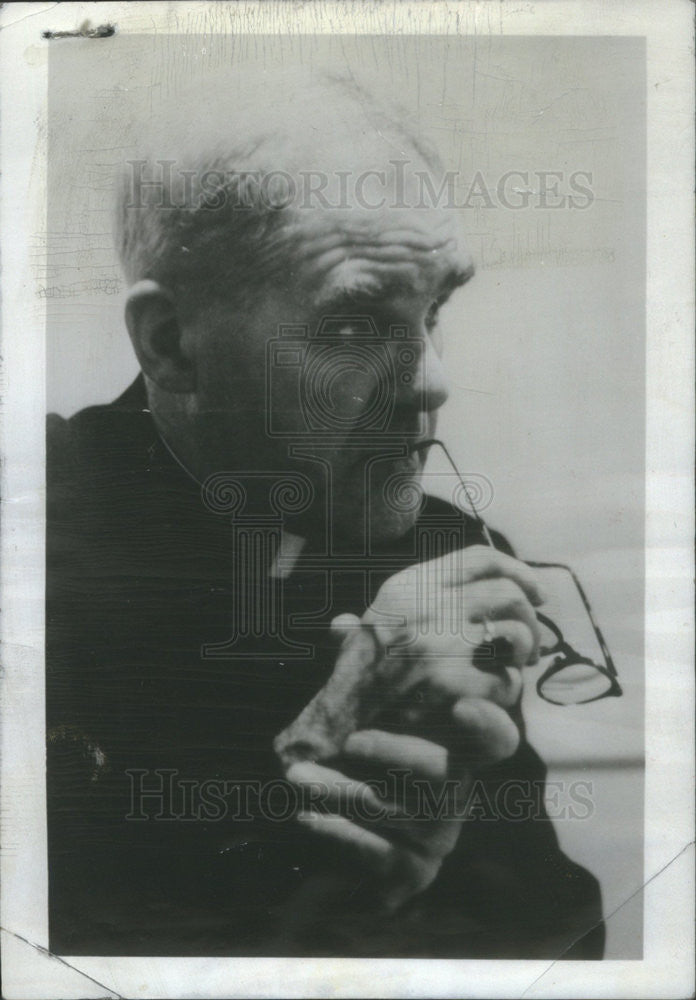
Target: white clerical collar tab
[{"x": 287, "y": 555}]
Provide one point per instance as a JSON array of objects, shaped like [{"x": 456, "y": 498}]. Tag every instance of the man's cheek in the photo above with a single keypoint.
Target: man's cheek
[{"x": 346, "y": 395}]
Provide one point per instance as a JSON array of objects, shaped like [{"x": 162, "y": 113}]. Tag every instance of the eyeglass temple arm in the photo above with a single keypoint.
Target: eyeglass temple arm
[{"x": 428, "y": 443}]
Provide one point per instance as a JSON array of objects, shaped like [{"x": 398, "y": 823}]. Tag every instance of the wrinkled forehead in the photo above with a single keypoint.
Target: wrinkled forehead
[{"x": 362, "y": 252}]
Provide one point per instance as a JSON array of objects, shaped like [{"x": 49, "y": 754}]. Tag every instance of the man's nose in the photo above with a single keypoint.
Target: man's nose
[{"x": 422, "y": 384}]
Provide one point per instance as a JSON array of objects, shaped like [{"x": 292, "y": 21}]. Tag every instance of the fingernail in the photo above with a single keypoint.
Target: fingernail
[
  {"x": 300, "y": 771},
  {"x": 307, "y": 816}
]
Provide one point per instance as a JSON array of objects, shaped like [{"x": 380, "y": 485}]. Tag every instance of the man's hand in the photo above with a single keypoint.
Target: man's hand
[
  {"x": 459, "y": 626},
  {"x": 443, "y": 645},
  {"x": 397, "y": 803},
  {"x": 462, "y": 623}
]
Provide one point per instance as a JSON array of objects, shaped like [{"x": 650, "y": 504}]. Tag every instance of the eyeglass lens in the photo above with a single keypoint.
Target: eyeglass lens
[{"x": 575, "y": 683}]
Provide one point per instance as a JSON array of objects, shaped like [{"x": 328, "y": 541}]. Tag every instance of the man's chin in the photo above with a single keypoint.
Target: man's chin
[
  {"x": 356, "y": 518},
  {"x": 385, "y": 526},
  {"x": 391, "y": 526}
]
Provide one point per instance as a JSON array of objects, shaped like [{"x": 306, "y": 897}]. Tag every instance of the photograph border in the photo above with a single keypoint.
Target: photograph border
[{"x": 667, "y": 966}]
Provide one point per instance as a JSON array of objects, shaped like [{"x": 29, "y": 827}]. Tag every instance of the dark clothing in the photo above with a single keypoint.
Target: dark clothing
[{"x": 140, "y": 577}]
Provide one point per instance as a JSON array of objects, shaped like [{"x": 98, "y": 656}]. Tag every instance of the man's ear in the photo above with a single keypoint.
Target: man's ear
[{"x": 157, "y": 338}]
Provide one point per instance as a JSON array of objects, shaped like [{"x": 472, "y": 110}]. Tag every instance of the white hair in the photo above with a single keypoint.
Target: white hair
[{"x": 190, "y": 214}]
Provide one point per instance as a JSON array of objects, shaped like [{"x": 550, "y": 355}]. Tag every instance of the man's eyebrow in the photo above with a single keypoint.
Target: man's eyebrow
[
  {"x": 346, "y": 297},
  {"x": 372, "y": 292}
]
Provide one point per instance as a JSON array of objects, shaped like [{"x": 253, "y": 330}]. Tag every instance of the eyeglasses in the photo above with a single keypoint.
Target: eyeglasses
[{"x": 572, "y": 678}]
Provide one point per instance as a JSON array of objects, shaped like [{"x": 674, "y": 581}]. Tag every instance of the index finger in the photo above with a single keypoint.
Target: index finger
[
  {"x": 384, "y": 751},
  {"x": 480, "y": 562}
]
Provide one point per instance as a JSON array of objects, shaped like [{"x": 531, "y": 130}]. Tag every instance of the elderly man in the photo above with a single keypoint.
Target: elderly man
[{"x": 268, "y": 731}]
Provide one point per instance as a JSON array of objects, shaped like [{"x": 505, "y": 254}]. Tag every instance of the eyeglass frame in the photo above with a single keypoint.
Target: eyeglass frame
[
  {"x": 564, "y": 649},
  {"x": 609, "y": 670}
]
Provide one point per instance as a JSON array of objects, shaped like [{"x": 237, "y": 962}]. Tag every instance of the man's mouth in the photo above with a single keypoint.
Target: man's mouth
[
  {"x": 415, "y": 457},
  {"x": 422, "y": 446},
  {"x": 407, "y": 455},
  {"x": 410, "y": 460}
]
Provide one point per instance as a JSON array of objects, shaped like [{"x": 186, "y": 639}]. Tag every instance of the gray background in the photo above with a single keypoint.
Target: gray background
[{"x": 545, "y": 348}]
